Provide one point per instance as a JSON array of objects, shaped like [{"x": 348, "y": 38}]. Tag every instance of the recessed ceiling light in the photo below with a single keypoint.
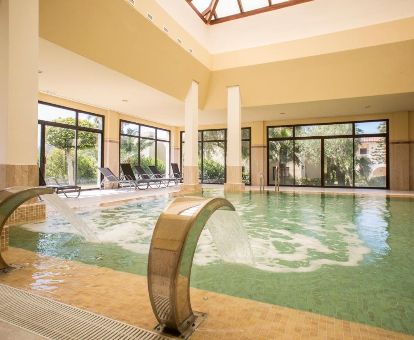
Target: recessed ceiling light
[{"x": 125, "y": 100}]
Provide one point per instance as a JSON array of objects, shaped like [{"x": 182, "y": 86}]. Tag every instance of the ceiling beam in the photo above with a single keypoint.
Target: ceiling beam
[
  {"x": 257, "y": 11},
  {"x": 241, "y": 6},
  {"x": 212, "y": 6}
]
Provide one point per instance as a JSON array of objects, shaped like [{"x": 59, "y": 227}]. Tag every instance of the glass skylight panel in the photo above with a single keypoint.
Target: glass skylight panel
[
  {"x": 226, "y": 8},
  {"x": 201, "y": 5},
  {"x": 249, "y": 5},
  {"x": 277, "y": 2}
]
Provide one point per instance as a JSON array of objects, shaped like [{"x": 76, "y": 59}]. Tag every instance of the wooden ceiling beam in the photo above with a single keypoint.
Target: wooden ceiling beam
[
  {"x": 213, "y": 6},
  {"x": 257, "y": 11},
  {"x": 241, "y": 6}
]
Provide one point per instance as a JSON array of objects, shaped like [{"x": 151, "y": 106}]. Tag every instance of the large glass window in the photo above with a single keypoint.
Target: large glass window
[
  {"x": 145, "y": 145},
  {"x": 330, "y": 155},
  {"x": 70, "y": 145},
  {"x": 212, "y": 155}
]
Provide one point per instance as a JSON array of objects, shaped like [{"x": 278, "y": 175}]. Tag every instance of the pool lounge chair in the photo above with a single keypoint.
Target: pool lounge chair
[
  {"x": 64, "y": 189},
  {"x": 153, "y": 182},
  {"x": 128, "y": 173},
  {"x": 177, "y": 172},
  {"x": 110, "y": 177},
  {"x": 156, "y": 173}
]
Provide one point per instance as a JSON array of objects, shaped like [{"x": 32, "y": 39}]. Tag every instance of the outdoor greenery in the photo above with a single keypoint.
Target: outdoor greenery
[
  {"x": 338, "y": 155},
  {"x": 129, "y": 153},
  {"x": 61, "y": 160}
]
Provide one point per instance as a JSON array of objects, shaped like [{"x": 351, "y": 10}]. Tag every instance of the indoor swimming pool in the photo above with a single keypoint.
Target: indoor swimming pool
[{"x": 345, "y": 256}]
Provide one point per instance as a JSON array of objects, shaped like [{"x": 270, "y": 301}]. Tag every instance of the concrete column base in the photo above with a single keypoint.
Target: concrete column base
[
  {"x": 191, "y": 184},
  {"x": 234, "y": 187},
  {"x": 190, "y": 188},
  {"x": 18, "y": 175}
]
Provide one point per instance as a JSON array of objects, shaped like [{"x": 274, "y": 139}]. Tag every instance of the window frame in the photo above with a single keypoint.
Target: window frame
[
  {"x": 354, "y": 136},
  {"x": 201, "y": 142},
  {"x": 76, "y": 127},
  {"x": 139, "y": 137}
]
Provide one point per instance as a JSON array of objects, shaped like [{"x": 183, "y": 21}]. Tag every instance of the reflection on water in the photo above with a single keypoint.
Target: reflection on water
[{"x": 345, "y": 256}]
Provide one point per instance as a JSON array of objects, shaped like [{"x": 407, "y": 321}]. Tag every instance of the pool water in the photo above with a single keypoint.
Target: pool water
[{"x": 345, "y": 256}]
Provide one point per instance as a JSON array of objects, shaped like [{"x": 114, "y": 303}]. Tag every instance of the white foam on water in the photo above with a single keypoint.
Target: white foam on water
[
  {"x": 289, "y": 244},
  {"x": 79, "y": 224}
]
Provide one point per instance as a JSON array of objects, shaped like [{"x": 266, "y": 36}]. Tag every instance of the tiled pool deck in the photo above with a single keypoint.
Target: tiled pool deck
[{"x": 123, "y": 296}]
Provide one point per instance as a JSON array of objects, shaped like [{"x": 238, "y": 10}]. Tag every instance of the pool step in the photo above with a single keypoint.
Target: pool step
[{"x": 55, "y": 320}]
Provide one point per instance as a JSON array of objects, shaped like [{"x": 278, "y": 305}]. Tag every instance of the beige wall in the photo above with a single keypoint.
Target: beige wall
[{"x": 371, "y": 71}]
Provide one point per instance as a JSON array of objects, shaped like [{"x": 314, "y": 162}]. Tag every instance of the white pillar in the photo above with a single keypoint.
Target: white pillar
[
  {"x": 19, "y": 50},
  {"x": 190, "y": 171},
  {"x": 234, "y": 155}
]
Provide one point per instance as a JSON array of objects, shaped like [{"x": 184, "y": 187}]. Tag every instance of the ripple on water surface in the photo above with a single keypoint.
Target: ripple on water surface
[{"x": 340, "y": 255}]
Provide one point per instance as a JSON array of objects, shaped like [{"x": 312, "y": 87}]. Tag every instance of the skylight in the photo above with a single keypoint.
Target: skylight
[{"x": 216, "y": 11}]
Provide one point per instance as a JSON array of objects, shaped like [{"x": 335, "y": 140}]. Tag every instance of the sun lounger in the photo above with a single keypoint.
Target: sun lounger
[
  {"x": 156, "y": 173},
  {"x": 128, "y": 173},
  {"x": 111, "y": 178},
  {"x": 176, "y": 172},
  {"x": 153, "y": 182},
  {"x": 64, "y": 189}
]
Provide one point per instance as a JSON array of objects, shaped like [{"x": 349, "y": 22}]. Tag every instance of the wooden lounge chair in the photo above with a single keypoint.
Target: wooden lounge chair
[
  {"x": 153, "y": 182},
  {"x": 64, "y": 189},
  {"x": 128, "y": 173},
  {"x": 110, "y": 177},
  {"x": 156, "y": 173},
  {"x": 176, "y": 172}
]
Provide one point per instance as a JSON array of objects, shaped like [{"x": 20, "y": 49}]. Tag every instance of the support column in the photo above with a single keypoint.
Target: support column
[
  {"x": 111, "y": 143},
  {"x": 234, "y": 181},
  {"x": 19, "y": 41},
  {"x": 190, "y": 171}
]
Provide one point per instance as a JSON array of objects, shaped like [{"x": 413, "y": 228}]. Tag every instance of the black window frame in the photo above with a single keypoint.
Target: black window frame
[
  {"x": 201, "y": 142},
  {"x": 76, "y": 127},
  {"x": 139, "y": 137},
  {"x": 354, "y": 136}
]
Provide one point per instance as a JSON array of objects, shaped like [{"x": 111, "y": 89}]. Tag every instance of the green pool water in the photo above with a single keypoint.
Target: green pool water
[{"x": 344, "y": 256}]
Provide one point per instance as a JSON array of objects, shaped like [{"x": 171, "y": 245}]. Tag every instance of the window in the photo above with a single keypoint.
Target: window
[
  {"x": 70, "y": 145},
  {"x": 329, "y": 155},
  {"x": 145, "y": 145},
  {"x": 212, "y": 149}
]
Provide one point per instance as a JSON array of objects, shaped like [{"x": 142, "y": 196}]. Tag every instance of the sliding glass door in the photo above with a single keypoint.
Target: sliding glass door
[
  {"x": 329, "y": 155},
  {"x": 70, "y": 145}
]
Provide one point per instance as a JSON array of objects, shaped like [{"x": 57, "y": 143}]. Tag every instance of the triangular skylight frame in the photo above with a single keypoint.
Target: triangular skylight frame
[{"x": 207, "y": 9}]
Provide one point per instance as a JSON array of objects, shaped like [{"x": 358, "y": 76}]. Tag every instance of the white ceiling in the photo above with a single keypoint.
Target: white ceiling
[
  {"x": 306, "y": 20},
  {"x": 68, "y": 75}
]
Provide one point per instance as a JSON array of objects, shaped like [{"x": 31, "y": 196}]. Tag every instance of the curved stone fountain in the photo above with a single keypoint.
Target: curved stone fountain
[
  {"x": 11, "y": 199},
  {"x": 170, "y": 259}
]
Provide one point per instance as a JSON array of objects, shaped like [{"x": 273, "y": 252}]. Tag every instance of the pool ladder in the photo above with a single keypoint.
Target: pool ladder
[{"x": 277, "y": 179}]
